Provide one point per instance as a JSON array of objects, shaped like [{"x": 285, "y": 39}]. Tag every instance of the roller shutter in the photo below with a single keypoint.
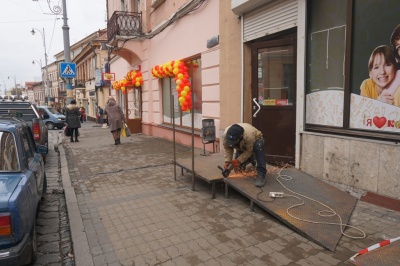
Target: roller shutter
[{"x": 268, "y": 19}]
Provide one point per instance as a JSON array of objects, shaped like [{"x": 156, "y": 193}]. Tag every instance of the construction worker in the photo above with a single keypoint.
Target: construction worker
[{"x": 246, "y": 140}]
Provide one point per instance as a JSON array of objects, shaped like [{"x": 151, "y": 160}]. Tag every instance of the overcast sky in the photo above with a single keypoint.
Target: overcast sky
[{"x": 18, "y": 47}]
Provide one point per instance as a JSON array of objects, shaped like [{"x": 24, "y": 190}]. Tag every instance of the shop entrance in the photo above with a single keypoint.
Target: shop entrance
[
  {"x": 274, "y": 96},
  {"x": 133, "y": 109}
]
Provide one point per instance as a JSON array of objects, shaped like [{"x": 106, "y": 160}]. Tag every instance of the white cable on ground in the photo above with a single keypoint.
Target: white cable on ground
[{"x": 325, "y": 213}]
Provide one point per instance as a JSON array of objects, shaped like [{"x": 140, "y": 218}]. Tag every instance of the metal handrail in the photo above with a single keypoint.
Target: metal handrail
[{"x": 124, "y": 24}]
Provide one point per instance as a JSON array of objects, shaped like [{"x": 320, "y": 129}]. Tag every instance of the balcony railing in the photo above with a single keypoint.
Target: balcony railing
[{"x": 126, "y": 24}]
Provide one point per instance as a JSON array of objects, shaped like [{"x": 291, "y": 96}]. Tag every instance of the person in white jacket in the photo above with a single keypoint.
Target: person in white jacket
[{"x": 246, "y": 140}]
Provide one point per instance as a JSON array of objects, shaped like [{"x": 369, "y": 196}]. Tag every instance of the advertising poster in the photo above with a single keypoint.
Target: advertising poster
[
  {"x": 375, "y": 97},
  {"x": 374, "y": 93}
]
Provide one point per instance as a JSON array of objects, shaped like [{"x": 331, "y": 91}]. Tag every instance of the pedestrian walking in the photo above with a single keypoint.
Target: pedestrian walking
[
  {"x": 83, "y": 114},
  {"x": 101, "y": 113},
  {"x": 72, "y": 115},
  {"x": 116, "y": 118}
]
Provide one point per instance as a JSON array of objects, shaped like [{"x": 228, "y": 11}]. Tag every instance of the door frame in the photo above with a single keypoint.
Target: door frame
[
  {"x": 282, "y": 40},
  {"x": 134, "y": 124}
]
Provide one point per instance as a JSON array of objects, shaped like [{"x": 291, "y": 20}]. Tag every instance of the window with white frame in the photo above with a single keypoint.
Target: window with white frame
[{"x": 172, "y": 111}]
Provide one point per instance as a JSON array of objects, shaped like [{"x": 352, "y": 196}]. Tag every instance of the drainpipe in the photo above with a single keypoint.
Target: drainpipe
[
  {"x": 95, "y": 68},
  {"x": 242, "y": 75}
]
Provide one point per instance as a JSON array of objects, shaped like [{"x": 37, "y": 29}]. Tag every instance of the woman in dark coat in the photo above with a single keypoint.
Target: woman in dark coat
[
  {"x": 116, "y": 118},
  {"x": 72, "y": 115}
]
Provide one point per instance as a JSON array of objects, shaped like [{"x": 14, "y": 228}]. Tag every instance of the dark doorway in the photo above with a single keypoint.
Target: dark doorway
[
  {"x": 274, "y": 96},
  {"x": 133, "y": 109}
]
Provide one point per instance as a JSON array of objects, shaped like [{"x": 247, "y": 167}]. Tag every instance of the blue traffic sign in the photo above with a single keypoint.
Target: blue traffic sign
[{"x": 68, "y": 70}]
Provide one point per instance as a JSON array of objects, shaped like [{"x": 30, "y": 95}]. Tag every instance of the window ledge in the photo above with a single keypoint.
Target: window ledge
[
  {"x": 156, "y": 3},
  {"x": 197, "y": 132}
]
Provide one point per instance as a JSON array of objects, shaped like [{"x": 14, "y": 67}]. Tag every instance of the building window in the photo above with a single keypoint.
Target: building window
[
  {"x": 325, "y": 61},
  {"x": 352, "y": 70},
  {"x": 171, "y": 107}
]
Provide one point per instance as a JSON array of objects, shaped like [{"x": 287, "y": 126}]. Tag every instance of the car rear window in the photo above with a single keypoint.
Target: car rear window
[
  {"x": 24, "y": 111},
  {"x": 8, "y": 152}
]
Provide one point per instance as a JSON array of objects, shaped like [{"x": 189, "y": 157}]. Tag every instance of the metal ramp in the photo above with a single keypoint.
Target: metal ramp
[
  {"x": 205, "y": 168},
  {"x": 288, "y": 207},
  {"x": 325, "y": 235}
]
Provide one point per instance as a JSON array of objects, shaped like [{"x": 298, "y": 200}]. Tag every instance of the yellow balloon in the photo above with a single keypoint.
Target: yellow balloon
[
  {"x": 183, "y": 93},
  {"x": 175, "y": 71},
  {"x": 180, "y": 76},
  {"x": 186, "y": 88},
  {"x": 181, "y": 99},
  {"x": 137, "y": 84},
  {"x": 178, "y": 81}
]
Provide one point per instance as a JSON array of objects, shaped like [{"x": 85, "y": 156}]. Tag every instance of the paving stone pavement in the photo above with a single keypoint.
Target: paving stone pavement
[{"x": 126, "y": 208}]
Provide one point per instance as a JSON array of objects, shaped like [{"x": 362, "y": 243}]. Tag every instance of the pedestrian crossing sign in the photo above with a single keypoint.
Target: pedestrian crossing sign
[{"x": 68, "y": 70}]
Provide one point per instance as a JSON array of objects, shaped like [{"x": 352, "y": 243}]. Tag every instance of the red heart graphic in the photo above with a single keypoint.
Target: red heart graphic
[{"x": 379, "y": 121}]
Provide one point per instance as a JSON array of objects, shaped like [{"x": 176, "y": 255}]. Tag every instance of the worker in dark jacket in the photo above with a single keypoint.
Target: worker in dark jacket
[
  {"x": 72, "y": 115},
  {"x": 246, "y": 140}
]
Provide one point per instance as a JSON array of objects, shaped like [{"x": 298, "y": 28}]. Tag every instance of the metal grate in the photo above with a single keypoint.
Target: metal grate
[{"x": 126, "y": 24}]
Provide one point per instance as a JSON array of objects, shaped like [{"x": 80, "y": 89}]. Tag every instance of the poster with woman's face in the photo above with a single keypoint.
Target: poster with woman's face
[
  {"x": 375, "y": 79},
  {"x": 371, "y": 53}
]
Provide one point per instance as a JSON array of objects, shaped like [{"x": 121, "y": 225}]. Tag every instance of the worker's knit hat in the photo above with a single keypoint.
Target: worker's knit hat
[{"x": 233, "y": 135}]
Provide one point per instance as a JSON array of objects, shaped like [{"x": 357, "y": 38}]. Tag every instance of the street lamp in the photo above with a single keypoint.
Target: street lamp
[
  {"x": 5, "y": 87},
  {"x": 41, "y": 72},
  {"x": 45, "y": 59},
  {"x": 15, "y": 84},
  {"x": 56, "y": 10}
]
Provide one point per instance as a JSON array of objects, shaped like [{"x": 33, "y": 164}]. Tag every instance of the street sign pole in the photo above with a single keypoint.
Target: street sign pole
[{"x": 68, "y": 84}]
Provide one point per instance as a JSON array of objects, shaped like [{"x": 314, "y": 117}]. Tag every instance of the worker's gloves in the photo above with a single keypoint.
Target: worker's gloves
[
  {"x": 235, "y": 164},
  {"x": 226, "y": 165}
]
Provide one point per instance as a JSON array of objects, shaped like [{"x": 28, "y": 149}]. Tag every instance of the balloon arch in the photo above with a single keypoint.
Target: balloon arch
[
  {"x": 132, "y": 79},
  {"x": 179, "y": 71}
]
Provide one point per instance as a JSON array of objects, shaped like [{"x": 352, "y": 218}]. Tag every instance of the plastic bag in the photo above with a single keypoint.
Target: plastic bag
[
  {"x": 127, "y": 131},
  {"x": 123, "y": 132}
]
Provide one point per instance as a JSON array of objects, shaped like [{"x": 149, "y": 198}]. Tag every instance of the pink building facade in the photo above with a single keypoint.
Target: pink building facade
[{"x": 193, "y": 38}]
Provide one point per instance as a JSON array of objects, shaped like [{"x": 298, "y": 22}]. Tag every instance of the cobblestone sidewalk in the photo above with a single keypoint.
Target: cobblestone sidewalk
[{"x": 134, "y": 212}]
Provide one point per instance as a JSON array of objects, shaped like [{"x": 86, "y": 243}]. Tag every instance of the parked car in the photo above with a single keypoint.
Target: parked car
[
  {"x": 22, "y": 185},
  {"x": 27, "y": 111},
  {"x": 52, "y": 118}
]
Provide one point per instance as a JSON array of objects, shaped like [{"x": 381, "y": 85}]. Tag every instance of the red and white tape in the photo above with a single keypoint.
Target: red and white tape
[{"x": 378, "y": 245}]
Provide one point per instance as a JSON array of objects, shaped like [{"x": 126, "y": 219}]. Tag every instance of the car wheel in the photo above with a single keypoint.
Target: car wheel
[
  {"x": 59, "y": 127},
  {"x": 34, "y": 251},
  {"x": 50, "y": 125}
]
